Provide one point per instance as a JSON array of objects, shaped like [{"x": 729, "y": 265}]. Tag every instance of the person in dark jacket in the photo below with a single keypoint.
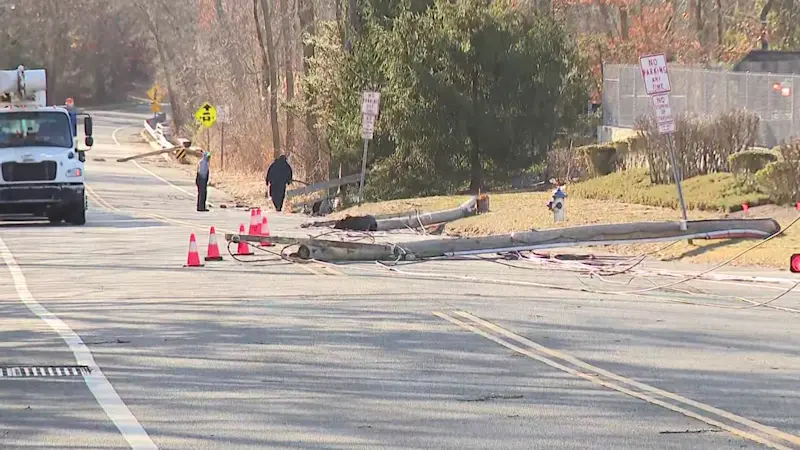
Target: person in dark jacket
[{"x": 279, "y": 175}]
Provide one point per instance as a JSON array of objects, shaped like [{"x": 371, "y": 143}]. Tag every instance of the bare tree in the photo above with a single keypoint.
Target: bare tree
[
  {"x": 288, "y": 39},
  {"x": 273, "y": 79}
]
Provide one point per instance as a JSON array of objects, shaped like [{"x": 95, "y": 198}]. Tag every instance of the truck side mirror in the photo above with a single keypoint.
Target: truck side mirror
[
  {"x": 89, "y": 141},
  {"x": 87, "y": 126}
]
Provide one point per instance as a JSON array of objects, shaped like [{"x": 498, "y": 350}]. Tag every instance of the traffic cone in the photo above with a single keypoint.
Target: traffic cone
[
  {"x": 259, "y": 221},
  {"x": 265, "y": 232},
  {"x": 213, "y": 248},
  {"x": 243, "y": 249},
  {"x": 194, "y": 257},
  {"x": 254, "y": 223}
]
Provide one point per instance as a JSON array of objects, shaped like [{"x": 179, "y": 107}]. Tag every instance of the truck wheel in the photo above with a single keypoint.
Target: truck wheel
[{"x": 78, "y": 217}]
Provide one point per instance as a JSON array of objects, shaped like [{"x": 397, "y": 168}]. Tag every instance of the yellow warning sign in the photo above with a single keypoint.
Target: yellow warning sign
[
  {"x": 180, "y": 153},
  {"x": 155, "y": 107},
  {"x": 156, "y": 93},
  {"x": 206, "y": 115}
]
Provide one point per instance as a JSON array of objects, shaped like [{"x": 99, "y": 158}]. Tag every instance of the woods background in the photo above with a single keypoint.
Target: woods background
[{"x": 291, "y": 72}]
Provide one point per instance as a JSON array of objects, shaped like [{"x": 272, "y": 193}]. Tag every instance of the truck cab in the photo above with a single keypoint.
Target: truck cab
[{"x": 41, "y": 165}]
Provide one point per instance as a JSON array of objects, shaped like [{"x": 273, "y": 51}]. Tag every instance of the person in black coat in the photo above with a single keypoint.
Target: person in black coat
[{"x": 279, "y": 175}]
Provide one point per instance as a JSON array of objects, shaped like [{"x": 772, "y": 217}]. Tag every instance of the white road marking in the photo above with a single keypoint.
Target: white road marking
[
  {"x": 588, "y": 376},
  {"x": 101, "y": 388}
]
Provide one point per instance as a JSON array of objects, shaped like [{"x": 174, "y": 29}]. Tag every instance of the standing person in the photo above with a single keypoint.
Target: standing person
[
  {"x": 279, "y": 175},
  {"x": 201, "y": 180}
]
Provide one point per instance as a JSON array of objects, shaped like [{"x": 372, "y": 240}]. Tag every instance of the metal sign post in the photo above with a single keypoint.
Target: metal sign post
[
  {"x": 370, "y": 106},
  {"x": 222, "y": 117},
  {"x": 657, "y": 85}
]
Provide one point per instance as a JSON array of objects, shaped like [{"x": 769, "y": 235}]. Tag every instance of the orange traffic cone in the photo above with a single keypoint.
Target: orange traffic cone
[
  {"x": 265, "y": 232},
  {"x": 259, "y": 221},
  {"x": 194, "y": 257},
  {"x": 213, "y": 248},
  {"x": 243, "y": 249},
  {"x": 254, "y": 223}
]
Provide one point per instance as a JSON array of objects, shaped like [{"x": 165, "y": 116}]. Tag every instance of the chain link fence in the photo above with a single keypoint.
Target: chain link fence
[{"x": 708, "y": 92}]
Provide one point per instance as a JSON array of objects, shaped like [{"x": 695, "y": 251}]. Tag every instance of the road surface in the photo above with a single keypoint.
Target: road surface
[{"x": 145, "y": 353}]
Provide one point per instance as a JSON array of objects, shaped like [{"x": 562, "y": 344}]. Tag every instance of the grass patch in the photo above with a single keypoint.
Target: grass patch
[{"x": 715, "y": 192}]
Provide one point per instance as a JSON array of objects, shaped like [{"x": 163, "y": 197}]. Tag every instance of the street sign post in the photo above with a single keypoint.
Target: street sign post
[
  {"x": 370, "y": 107},
  {"x": 657, "y": 85},
  {"x": 223, "y": 117}
]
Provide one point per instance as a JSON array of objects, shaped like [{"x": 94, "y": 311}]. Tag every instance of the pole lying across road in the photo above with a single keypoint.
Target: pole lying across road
[{"x": 611, "y": 234}]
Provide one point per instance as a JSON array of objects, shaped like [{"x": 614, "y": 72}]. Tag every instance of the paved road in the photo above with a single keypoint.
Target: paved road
[{"x": 279, "y": 355}]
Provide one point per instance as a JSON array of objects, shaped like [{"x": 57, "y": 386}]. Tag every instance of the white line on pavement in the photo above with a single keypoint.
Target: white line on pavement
[{"x": 98, "y": 384}]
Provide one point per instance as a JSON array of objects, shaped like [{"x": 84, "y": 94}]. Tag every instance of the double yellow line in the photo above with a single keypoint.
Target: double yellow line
[
  {"x": 93, "y": 195},
  {"x": 769, "y": 436}
]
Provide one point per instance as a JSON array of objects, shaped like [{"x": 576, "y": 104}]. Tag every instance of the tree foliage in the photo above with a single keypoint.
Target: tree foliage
[
  {"x": 92, "y": 57},
  {"x": 469, "y": 91}
]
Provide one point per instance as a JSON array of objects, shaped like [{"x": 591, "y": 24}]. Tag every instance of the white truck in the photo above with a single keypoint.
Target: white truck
[{"x": 42, "y": 164}]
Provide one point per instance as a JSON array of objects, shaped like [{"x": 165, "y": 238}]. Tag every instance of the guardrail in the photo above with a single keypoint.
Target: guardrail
[{"x": 158, "y": 135}]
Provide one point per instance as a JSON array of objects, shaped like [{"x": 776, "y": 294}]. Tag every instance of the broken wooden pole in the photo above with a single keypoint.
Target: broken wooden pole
[
  {"x": 421, "y": 220},
  {"x": 611, "y": 234},
  {"x": 330, "y": 223},
  {"x": 144, "y": 155},
  {"x": 324, "y": 249}
]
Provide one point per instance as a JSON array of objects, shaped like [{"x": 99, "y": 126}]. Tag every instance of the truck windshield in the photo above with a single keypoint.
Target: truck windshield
[{"x": 35, "y": 128}]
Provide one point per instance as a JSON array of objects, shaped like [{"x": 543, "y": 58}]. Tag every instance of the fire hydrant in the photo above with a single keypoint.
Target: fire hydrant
[{"x": 558, "y": 204}]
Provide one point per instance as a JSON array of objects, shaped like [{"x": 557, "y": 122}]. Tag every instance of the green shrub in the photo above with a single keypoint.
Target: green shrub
[
  {"x": 566, "y": 164},
  {"x": 702, "y": 144},
  {"x": 713, "y": 192},
  {"x": 602, "y": 159},
  {"x": 781, "y": 179},
  {"x": 631, "y": 154},
  {"x": 775, "y": 181},
  {"x": 748, "y": 162}
]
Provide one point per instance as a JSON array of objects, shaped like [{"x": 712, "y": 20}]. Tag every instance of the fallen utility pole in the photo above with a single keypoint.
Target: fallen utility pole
[
  {"x": 144, "y": 155},
  {"x": 611, "y": 234},
  {"x": 466, "y": 209},
  {"x": 410, "y": 219},
  {"x": 330, "y": 223}
]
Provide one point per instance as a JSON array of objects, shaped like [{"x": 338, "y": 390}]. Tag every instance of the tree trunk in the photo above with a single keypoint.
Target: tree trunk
[
  {"x": 273, "y": 80},
  {"x": 476, "y": 171},
  {"x": 720, "y": 22},
  {"x": 307, "y": 27},
  {"x": 607, "y": 21},
  {"x": 353, "y": 20},
  {"x": 174, "y": 102},
  {"x": 699, "y": 24},
  {"x": 164, "y": 59},
  {"x": 287, "y": 22},
  {"x": 340, "y": 21},
  {"x": 624, "y": 22},
  {"x": 264, "y": 87}
]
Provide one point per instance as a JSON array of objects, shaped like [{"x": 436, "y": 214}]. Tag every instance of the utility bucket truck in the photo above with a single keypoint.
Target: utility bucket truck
[{"x": 42, "y": 166}]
